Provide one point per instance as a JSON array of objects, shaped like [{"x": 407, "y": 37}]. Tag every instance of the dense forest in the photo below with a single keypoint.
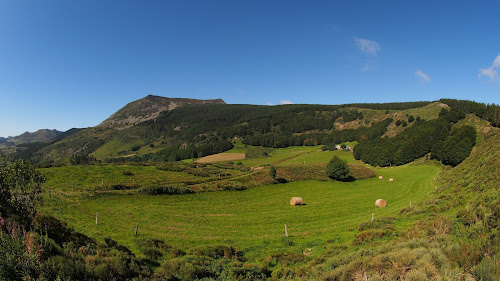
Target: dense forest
[
  {"x": 489, "y": 112},
  {"x": 450, "y": 147}
]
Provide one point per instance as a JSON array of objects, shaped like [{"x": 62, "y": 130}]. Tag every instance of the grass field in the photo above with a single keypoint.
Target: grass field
[
  {"x": 290, "y": 155},
  {"x": 82, "y": 179},
  {"x": 252, "y": 220}
]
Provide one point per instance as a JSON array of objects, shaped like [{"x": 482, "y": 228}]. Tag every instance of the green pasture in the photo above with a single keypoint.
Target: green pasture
[
  {"x": 291, "y": 155},
  {"x": 252, "y": 220},
  {"x": 319, "y": 156},
  {"x": 83, "y": 178}
]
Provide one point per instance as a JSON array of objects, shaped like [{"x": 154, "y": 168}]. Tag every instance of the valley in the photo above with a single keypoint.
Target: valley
[
  {"x": 252, "y": 220},
  {"x": 201, "y": 191}
]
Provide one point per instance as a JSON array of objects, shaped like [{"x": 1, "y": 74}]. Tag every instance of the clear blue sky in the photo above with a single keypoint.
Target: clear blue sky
[{"x": 67, "y": 64}]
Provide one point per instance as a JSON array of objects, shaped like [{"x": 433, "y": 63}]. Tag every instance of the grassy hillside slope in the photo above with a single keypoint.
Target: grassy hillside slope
[{"x": 451, "y": 235}]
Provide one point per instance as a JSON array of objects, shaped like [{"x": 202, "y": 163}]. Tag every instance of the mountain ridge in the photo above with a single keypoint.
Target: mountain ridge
[
  {"x": 41, "y": 135},
  {"x": 148, "y": 108}
]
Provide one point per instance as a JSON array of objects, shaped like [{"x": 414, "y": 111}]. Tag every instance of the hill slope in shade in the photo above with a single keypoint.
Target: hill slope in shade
[{"x": 148, "y": 108}]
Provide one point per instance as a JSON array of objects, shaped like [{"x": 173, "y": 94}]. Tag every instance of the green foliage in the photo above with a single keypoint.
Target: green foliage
[
  {"x": 15, "y": 262},
  {"x": 338, "y": 136},
  {"x": 413, "y": 143},
  {"x": 411, "y": 118},
  {"x": 489, "y": 112},
  {"x": 337, "y": 169},
  {"x": 486, "y": 270},
  {"x": 158, "y": 190},
  {"x": 81, "y": 159},
  {"x": 456, "y": 147},
  {"x": 272, "y": 172},
  {"x": 20, "y": 191}
]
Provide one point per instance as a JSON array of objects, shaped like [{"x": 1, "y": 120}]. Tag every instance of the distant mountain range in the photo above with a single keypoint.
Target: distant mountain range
[{"x": 43, "y": 135}]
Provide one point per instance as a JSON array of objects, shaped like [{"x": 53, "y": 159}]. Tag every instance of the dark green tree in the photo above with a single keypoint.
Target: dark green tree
[
  {"x": 337, "y": 169},
  {"x": 272, "y": 172}
]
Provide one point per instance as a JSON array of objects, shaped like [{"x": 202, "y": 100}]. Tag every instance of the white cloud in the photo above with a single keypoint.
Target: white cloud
[
  {"x": 489, "y": 72},
  {"x": 366, "y": 46},
  {"x": 496, "y": 62},
  {"x": 424, "y": 78},
  {"x": 268, "y": 103},
  {"x": 286, "y": 102},
  {"x": 492, "y": 71}
]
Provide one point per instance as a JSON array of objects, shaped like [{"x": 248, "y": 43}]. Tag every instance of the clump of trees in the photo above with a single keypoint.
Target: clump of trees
[
  {"x": 456, "y": 147},
  {"x": 418, "y": 140},
  {"x": 489, "y": 112}
]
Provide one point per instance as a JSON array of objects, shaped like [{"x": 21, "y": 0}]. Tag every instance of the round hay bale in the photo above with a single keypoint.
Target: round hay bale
[
  {"x": 391, "y": 179},
  {"x": 296, "y": 201},
  {"x": 380, "y": 177},
  {"x": 380, "y": 203}
]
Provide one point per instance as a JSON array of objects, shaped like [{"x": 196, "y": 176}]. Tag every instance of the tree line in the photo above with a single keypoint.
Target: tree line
[{"x": 489, "y": 112}]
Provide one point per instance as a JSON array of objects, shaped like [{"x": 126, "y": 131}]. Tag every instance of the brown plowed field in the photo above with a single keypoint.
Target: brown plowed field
[{"x": 222, "y": 157}]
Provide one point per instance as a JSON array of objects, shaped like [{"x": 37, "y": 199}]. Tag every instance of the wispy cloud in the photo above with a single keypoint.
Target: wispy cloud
[
  {"x": 424, "y": 78},
  {"x": 268, "y": 103},
  {"x": 492, "y": 71},
  {"x": 286, "y": 102},
  {"x": 367, "y": 46}
]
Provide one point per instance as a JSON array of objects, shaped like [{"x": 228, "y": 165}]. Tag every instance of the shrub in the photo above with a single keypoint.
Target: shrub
[
  {"x": 272, "y": 172},
  {"x": 127, "y": 173},
  {"x": 486, "y": 270},
  {"x": 158, "y": 190},
  {"x": 123, "y": 186},
  {"x": 20, "y": 191},
  {"x": 337, "y": 169}
]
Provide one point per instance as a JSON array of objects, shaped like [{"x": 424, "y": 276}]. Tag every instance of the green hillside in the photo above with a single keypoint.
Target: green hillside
[{"x": 159, "y": 129}]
